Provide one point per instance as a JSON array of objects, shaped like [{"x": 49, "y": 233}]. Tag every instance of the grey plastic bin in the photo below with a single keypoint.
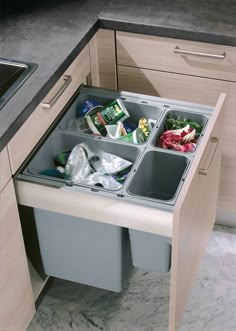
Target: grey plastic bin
[
  {"x": 76, "y": 249},
  {"x": 83, "y": 251},
  {"x": 136, "y": 107},
  {"x": 150, "y": 251},
  {"x": 64, "y": 141},
  {"x": 201, "y": 119},
  {"x": 159, "y": 176}
]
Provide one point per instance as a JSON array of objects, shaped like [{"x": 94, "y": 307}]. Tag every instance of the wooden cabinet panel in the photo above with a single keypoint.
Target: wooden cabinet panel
[
  {"x": 152, "y": 52},
  {"x": 199, "y": 90},
  {"x": 16, "y": 299},
  {"x": 194, "y": 216},
  {"x": 103, "y": 59},
  {"x": 33, "y": 129},
  {"x": 5, "y": 170}
]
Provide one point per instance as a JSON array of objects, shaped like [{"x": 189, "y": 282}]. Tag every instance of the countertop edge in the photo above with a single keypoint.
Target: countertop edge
[{"x": 166, "y": 31}]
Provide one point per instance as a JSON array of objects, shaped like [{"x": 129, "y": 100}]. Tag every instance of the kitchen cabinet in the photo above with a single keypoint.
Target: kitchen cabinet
[
  {"x": 187, "y": 225},
  {"x": 189, "y": 71},
  {"x": 16, "y": 299}
]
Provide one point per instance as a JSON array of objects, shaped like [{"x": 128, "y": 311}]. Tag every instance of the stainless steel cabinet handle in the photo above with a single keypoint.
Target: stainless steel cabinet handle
[
  {"x": 213, "y": 147},
  {"x": 66, "y": 81},
  {"x": 185, "y": 52}
]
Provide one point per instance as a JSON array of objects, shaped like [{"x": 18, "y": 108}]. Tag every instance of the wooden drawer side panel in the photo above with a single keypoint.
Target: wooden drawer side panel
[{"x": 103, "y": 59}]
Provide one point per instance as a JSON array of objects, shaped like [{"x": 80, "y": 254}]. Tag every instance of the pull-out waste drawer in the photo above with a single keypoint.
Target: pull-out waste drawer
[{"x": 167, "y": 193}]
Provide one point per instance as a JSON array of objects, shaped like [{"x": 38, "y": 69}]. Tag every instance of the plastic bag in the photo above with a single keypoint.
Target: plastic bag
[
  {"x": 85, "y": 167},
  {"x": 106, "y": 163},
  {"x": 105, "y": 181},
  {"x": 77, "y": 166},
  {"x": 79, "y": 124}
]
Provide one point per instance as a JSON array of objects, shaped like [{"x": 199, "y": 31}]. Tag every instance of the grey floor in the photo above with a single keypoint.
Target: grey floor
[{"x": 144, "y": 304}]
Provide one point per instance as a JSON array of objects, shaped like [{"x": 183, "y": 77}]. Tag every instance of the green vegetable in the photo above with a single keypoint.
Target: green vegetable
[{"x": 179, "y": 123}]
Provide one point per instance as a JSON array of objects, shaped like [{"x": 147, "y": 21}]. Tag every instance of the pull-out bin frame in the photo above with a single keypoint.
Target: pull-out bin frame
[{"x": 186, "y": 220}]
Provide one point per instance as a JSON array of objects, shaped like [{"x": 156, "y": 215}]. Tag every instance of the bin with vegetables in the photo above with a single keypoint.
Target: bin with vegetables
[{"x": 180, "y": 131}]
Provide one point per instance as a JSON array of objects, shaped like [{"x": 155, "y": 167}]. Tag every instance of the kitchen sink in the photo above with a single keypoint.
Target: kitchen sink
[{"x": 12, "y": 75}]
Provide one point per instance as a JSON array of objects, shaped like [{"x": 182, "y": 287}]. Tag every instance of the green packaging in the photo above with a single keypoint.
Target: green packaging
[
  {"x": 135, "y": 137},
  {"x": 94, "y": 122},
  {"x": 109, "y": 115}
]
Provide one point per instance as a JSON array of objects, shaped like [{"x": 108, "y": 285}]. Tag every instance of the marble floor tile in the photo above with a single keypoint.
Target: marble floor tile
[{"x": 144, "y": 304}]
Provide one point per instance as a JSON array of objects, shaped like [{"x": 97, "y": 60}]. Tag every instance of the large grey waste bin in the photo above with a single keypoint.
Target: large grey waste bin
[{"x": 83, "y": 251}]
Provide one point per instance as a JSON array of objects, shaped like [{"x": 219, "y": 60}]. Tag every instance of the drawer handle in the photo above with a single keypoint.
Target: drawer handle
[
  {"x": 214, "y": 144},
  {"x": 215, "y": 56},
  {"x": 66, "y": 81}
]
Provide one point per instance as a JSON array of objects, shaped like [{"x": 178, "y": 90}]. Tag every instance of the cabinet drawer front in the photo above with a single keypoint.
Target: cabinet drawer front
[
  {"x": 194, "y": 215},
  {"x": 175, "y": 55},
  {"x": 33, "y": 129},
  {"x": 91, "y": 207},
  {"x": 5, "y": 170},
  {"x": 199, "y": 90}
]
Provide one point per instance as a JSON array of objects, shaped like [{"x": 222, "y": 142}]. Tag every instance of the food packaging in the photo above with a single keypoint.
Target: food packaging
[
  {"x": 109, "y": 115},
  {"x": 135, "y": 137}
]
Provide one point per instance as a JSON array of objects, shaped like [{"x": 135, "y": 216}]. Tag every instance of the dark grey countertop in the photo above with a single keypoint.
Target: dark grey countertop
[
  {"x": 212, "y": 21},
  {"x": 53, "y": 34}
]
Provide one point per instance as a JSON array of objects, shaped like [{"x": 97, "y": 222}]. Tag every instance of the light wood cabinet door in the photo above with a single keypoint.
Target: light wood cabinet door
[
  {"x": 194, "y": 216},
  {"x": 5, "y": 170},
  {"x": 16, "y": 298},
  {"x": 198, "y": 90}
]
